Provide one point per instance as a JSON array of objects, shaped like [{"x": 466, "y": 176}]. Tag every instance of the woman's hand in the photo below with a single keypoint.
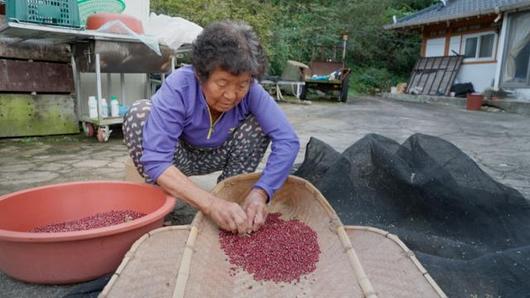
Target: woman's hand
[
  {"x": 228, "y": 216},
  {"x": 255, "y": 207}
]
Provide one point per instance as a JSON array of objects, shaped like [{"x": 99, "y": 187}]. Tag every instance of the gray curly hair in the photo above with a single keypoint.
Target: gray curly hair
[{"x": 232, "y": 46}]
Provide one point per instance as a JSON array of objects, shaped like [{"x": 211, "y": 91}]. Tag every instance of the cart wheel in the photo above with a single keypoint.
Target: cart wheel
[
  {"x": 303, "y": 94},
  {"x": 104, "y": 133},
  {"x": 344, "y": 94},
  {"x": 344, "y": 91},
  {"x": 88, "y": 129}
]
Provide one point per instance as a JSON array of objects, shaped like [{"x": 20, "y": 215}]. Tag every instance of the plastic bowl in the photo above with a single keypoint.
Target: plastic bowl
[{"x": 68, "y": 257}]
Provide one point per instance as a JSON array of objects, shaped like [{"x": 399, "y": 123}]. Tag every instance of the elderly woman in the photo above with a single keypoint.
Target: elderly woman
[{"x": 214, "y": 116}]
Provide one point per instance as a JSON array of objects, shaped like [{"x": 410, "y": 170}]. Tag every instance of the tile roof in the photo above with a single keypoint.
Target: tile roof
[{"x": 456, "y": 9}]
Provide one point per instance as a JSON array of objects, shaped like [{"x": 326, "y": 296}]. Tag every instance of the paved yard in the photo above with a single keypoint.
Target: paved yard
[{"x": 498, "y": 142}]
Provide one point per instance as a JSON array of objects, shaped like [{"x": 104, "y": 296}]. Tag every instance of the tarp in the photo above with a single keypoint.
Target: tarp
[
  {"x": 470, "y": 232},
  {"x": 172, "y": 31}
]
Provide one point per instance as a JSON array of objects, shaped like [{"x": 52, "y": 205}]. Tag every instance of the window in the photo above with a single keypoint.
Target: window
[
  {"x": 516, "y": 67},
  {"x": 479, "y": 47},
  {"x": 486, "y": 46},
  {"x": 471, "y": 47}
]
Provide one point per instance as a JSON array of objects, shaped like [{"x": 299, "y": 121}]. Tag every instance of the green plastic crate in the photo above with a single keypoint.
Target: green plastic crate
[{"x": 49, "y": 12}]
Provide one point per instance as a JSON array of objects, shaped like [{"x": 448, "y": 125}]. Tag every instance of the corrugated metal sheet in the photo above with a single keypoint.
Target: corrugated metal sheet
[{"x": 457, "y": 9}]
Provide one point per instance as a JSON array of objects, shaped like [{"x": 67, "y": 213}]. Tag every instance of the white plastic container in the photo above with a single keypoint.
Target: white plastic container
[
  {"x": 92, "y": 107},
  {"x": 103, "y": 108},
  {"x": 114, "y": 107}
]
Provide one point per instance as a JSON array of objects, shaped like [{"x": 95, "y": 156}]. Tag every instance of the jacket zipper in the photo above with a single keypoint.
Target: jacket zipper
[{"x": 212, "y": 124}]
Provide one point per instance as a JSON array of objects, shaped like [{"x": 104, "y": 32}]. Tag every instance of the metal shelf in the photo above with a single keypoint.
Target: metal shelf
[
  {"x": 102, "y": 121},
  {"x": 98, "y": 52},
  {"x": 25, "y": 31}
]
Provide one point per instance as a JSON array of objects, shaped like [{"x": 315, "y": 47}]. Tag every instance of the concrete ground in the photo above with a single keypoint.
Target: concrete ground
[{"x": 498, "y": 142}]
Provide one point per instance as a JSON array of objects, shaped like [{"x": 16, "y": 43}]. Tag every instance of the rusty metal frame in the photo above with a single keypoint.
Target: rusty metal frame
[{"x": 434, "y": 75}]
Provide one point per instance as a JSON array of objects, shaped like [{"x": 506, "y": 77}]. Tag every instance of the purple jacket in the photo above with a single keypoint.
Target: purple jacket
[{"x": 179, "y": 110}]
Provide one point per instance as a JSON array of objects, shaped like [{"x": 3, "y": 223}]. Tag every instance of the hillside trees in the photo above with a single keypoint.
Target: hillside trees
[{"x": 292, "y": 29}]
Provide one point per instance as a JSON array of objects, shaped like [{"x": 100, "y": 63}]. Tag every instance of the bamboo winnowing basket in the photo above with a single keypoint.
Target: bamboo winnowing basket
[{"x": 187, "y": 261}]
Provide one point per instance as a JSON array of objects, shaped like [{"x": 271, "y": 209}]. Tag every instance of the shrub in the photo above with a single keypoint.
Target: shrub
[{"x": 370, "y": 79}]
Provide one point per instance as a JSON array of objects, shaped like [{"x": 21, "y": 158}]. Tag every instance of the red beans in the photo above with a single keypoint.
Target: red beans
[
  {"x": 99, "y": 220},
  {"x": 281, "y": 251}
]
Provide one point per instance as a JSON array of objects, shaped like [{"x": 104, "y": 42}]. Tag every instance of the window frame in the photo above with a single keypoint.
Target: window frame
[{"x": 478, "y": 36}]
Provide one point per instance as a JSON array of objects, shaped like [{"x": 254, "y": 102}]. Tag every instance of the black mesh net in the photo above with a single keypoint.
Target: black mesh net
[{"x": 470, "y": 232}]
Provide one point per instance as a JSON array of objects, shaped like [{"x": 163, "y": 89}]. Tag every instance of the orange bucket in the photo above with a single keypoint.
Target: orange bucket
[
  {"x": 474, "y": 101},
  {"x": 68, "y": 257}
]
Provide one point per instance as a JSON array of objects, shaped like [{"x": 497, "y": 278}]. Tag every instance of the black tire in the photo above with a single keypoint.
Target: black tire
[
  {"x": 304, "y": 92},
  {"x": 344, "y": 89}
]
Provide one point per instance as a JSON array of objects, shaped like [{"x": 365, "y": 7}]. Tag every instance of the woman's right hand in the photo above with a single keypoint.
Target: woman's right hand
[{"x": 228, "y": 216}]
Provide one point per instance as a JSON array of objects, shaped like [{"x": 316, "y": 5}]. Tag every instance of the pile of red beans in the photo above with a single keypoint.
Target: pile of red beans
[
  {"x": 98, "y": 220},
  {"x": 281, "y": 251}
]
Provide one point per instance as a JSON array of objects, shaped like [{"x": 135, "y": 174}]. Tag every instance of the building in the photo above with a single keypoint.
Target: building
[{"x": 492, "y": 35}]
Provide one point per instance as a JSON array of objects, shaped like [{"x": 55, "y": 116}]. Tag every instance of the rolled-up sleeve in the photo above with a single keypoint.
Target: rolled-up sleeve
[
  {"x": 285, "y": 143},
  {"x": 162, "y": 130}
]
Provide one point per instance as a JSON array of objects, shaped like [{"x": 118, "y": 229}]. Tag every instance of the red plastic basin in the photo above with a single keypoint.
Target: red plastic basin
[{"x": 67, "y": 257}]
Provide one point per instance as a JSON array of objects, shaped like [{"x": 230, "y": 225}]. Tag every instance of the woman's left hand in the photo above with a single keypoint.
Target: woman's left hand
[{"x": 255, "y": 207}]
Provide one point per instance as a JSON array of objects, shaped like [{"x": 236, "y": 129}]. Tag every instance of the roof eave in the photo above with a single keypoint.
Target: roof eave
[{"x": 496, "y": 10}]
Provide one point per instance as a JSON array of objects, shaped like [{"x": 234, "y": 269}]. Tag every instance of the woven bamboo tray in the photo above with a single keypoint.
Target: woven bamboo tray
[{"x": 187, "y": 261}]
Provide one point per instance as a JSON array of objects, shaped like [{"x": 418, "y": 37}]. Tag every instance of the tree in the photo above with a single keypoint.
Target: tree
[
  {"x": 258, "y": 14},
  {"x": 292, "y": 29}
]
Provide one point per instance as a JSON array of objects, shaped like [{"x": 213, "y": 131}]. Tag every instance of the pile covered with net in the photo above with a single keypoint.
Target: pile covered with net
[{"x": 470, "y": 232}]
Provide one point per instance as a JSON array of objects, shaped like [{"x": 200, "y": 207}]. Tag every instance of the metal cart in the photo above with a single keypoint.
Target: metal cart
[
  {"x": 114, "y": 56},
  {"x": 327, "y": 60},
  {"x": 340, "y": 84},
  {"x": 99, "y": 53}
]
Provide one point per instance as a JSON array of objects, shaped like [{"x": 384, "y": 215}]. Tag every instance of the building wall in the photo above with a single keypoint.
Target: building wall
[
  {"x": 435, "y": 47},
  {"x": 480, "y": 73},
  {"x": 483, "y": 73}
]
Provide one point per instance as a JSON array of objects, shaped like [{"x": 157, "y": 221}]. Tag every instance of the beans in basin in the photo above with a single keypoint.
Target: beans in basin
[{"x": 98, "y": 220}]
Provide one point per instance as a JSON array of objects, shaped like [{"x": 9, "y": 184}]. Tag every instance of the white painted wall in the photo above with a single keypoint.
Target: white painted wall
[
  {"x": 435, "y": 47},
  {"x": 481, "y": 75},
  {"x": 454, "y": 45}
]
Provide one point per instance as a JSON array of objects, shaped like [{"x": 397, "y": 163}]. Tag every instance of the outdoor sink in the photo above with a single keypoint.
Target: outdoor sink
[{"x": 68, "y": 257}]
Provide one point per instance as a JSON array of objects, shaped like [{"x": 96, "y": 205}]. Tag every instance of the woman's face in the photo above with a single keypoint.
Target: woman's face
[{"x": 223, "y": 90}]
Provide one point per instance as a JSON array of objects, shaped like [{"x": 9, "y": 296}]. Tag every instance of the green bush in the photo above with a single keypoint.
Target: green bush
[
  {"x": 369, "y": 80},
  {"x": 296, "y": 29}
]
